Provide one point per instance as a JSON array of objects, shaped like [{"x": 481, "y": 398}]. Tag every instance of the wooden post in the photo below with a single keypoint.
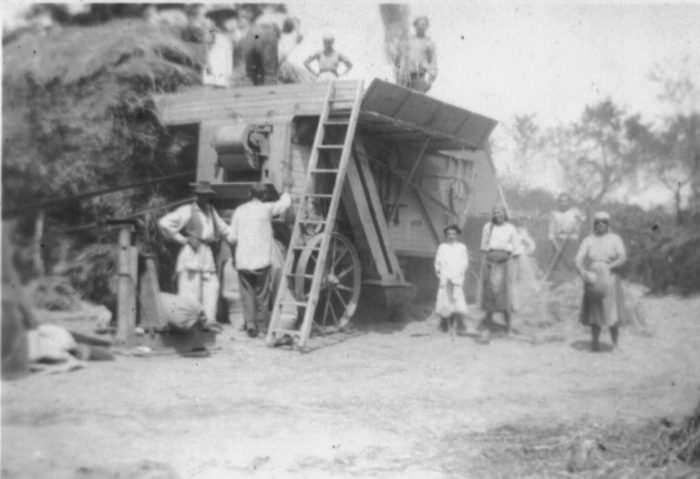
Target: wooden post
[{"x": 126, "y": 287}]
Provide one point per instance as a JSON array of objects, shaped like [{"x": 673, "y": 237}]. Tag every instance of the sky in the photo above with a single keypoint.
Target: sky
[{"x": 501, "y": 58}]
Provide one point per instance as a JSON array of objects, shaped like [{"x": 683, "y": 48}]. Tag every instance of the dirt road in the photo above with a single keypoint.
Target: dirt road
[{"x": 378, "y": 404}]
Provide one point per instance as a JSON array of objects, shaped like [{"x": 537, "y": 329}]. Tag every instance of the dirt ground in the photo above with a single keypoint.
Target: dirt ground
[{"x": 390, "y": 399}]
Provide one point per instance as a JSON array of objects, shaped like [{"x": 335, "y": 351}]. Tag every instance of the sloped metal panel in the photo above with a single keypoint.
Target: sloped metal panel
[{"x": 409, "y": 110}]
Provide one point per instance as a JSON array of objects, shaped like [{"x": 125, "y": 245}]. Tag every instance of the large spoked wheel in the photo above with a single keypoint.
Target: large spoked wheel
[{"x": 340, "y": 283}]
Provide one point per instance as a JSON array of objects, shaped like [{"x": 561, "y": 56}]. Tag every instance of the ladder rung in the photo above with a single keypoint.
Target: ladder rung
[
  {"x": 302, "y": 248},
  {"x": 336, "y": 122},
  {"x": 318, "y": 195},
  {"x": 318, "y": 222},
  {"x": 331, "y": 147},
  {"x": 289, "y": 302},
  {"x": 307, "y": 276},
  {"x": 290, "y": 332},
  {"x": 324, "y": 170}
]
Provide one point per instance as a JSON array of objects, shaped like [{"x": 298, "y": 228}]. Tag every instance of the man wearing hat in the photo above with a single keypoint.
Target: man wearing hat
[
  {"x": 196, "y": 226},
  {"x": 451, "y": 264},
  {"x": 329, "y": 61},
  {"x": 417, "y": 68},
  {"x": 218, "y": 71},
  {"x": 251, "y": 233}
]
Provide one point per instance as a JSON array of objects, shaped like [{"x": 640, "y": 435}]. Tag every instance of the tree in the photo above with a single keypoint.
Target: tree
[
  {"x": 595, "y": 152},
  {"x": 527, "y": 152},
  {"x": 670, "y": 150}
]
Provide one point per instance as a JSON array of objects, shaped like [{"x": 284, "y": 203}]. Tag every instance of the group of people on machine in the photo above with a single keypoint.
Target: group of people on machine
[
  {"x": 250, "y": 47},
  {"x": 504, "y": 248}
]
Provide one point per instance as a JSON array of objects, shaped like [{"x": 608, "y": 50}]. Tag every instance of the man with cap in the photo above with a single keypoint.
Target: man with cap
[
  {"x": 417, "y": 66},
  {"x": 196, "y": 226},
  {"x": 563, "y": 235},
  {"x": 597, "y": 260},
  {"x": 251, "y": 234},
  {"x": 451, "y": 264},
  {"x": 329, "y": 61}
]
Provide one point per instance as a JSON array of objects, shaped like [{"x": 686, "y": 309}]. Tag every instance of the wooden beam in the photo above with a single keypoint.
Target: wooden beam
[
  {"x": 126, "y": 288},
  {"x": 404, "y": 187}
]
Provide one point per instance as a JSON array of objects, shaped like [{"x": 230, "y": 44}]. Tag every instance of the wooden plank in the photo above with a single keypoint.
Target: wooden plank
[
  {"x": 126, "y": 288},
  {"x": 252, "y": 102},
  {"x": 356, "y": 205},
  {"x": 376, "y": 206}
]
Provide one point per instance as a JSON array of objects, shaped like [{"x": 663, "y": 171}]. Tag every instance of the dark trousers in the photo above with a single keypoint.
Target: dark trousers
[
  {"x": 259, "y": 52},
  {"x": 255, "y": 287}
]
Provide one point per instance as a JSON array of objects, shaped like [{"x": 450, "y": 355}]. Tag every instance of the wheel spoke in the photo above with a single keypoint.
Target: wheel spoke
[
  {"x": 340, "y": 296},
  {"x": 344, "y": 288},
  {"x": 325, "y": 311},
  {"x": 345, "y": 272},
  {"x": 335, "y": 318},
  {"x": 337, "y": 260}
]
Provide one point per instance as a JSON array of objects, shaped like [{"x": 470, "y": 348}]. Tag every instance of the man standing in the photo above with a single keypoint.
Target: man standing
[
  {"x": 251, "y": 233},
  {"x": 451, "y": 264},
  {"x": 329, "y": 60},
  {"x": 563, "y": 234},
  {"x": 417, "y": 67},
  {"x": 218, "y": 71},
  {"x": 196, "y": 226},
  {"x": 499, "y": 247},
  {"x": 259, "y": 46}
]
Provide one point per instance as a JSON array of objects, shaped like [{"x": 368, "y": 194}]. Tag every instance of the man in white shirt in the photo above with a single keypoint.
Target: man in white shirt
[
  {"x": 451, "y": 264},
  {"x": 251, "y": 233},
  {"x": 218, "y": 71},
  {"x": 196, "y": 226},
  {"x": 500, "y": 244}
]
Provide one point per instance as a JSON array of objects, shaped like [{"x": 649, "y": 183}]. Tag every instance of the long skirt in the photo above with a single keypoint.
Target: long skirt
[
  {"x": 603, "y": 305},
  {"x": 497, "y": 286},
  {"x": 450, "y": 300}
]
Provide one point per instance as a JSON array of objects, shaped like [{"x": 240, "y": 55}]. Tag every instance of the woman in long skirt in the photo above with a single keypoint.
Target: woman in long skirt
[
  {"x": 451, "y": 263},
  {"x": 603, "y": 299}
]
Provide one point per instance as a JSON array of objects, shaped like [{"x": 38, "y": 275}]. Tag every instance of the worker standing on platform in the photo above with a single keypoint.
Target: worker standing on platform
[
  {"x": 251, "y": 234},
  {"x": 417, "y": 65},
  {"x": 196, "y": 226},
  {"x": 218, "y": 71},
  {"x": 329, "y": 61},
  {"x": 259, "y": 46}
]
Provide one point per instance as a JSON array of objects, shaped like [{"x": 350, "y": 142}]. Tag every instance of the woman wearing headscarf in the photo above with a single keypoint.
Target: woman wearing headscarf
[
  {"x": 599, "y": 255},
  {"x": 451, "y": 263},
  {"x": 500, "y": 245}
]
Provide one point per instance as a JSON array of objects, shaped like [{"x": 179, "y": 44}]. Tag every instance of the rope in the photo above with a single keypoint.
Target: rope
[
  {"x": 103, "y": 223},
  {"x": 51, "y": 204}
]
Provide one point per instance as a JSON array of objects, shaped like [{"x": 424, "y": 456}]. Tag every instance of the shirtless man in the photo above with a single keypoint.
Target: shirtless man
[
  {"x": 417, "y": 67},
  {"x": 329, "y": 61}
]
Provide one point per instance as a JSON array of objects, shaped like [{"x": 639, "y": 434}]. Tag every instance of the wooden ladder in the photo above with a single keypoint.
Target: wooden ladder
[{"x": 326, "y": 172}]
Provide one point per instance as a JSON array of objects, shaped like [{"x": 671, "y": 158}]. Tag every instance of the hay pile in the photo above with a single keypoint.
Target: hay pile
[
  {"x": 682, "y": 442},
  {"x": 78, "y": 114}
]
